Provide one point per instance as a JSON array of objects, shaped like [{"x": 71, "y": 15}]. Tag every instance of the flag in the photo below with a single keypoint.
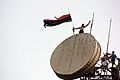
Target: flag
[{"x": 57, "y": 21}]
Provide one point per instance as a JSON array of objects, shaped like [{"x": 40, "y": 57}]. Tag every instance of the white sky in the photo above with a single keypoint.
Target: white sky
[{"x": 26, "y": 46}]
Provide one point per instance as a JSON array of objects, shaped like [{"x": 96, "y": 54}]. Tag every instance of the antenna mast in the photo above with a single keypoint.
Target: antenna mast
[
  {"x": 108, "y": 36},
  {"x": 92, "y": 23}
]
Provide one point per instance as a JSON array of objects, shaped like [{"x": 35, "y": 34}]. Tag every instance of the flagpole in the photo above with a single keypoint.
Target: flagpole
[
  {"x": 92, "y": 23},
  {"x": 72, "y": 20},
  {"x": 108, "y": 36}
]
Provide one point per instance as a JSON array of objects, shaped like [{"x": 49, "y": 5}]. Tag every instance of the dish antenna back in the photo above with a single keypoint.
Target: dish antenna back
[{"x": 75, "y": 56}]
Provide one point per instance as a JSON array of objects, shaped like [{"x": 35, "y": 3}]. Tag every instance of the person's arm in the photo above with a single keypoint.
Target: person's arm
[
  {"x": 75, "y": 28},
  {"x": 78, "y": 28},
  {"x": 88, "y": 23}
]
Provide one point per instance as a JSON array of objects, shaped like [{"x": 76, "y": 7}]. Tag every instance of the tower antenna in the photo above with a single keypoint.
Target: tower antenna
[
  {"x": 108, "y": 36},
  {"x": 92, "y": 23}
]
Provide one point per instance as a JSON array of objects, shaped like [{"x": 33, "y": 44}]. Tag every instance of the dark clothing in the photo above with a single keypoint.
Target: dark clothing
[
  {"x": 113, "y": 56},
  {"x": 81, "y": 31}
]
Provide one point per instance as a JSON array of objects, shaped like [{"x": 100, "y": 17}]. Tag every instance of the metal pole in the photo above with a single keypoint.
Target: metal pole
[
  {"x": 72, "y": 20},
  {"x": 108, "y": 36},
  {"x": 92, "y": 23}
]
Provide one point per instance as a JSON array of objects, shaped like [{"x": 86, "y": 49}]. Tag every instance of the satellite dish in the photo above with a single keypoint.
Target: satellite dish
[{"x": 75, "y": 56}]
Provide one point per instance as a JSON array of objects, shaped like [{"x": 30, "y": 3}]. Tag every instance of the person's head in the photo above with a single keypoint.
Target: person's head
[
  {"x": 113, "y": 52},
  {"x": 82, "y": 24}
]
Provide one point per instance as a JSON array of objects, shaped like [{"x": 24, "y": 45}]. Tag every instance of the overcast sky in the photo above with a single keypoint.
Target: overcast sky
[{"x": 26, "y": 46}]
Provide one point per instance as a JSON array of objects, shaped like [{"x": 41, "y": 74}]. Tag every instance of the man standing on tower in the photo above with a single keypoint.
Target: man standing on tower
[
  {"x": 81, "y": 28},
  {"x": 113, "y": 57}
]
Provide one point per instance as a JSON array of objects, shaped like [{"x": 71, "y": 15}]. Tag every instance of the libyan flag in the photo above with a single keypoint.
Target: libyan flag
[{"x": 57, "y": 21}]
